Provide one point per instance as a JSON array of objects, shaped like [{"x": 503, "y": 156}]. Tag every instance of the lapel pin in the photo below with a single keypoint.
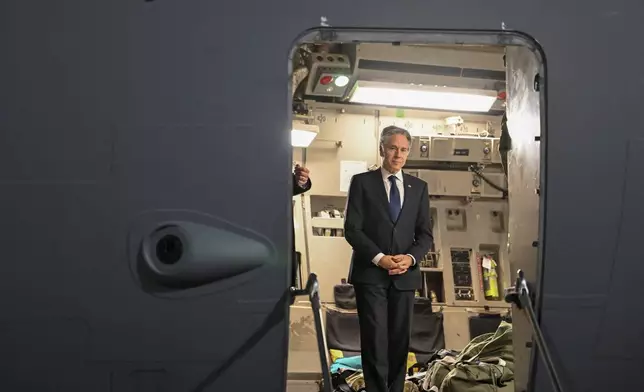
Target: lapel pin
[{"x": 408, "y": 186}]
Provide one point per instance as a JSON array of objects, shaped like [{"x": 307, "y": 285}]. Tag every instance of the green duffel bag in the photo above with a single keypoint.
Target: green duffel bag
[
  {"x": 482, "y": 377},
  {"x": 484, "y": 365},
  {"x": 437, "y": 372}
]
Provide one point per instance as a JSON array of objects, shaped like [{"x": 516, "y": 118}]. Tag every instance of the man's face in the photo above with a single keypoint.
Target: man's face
[{"x": 394, "y": 153}]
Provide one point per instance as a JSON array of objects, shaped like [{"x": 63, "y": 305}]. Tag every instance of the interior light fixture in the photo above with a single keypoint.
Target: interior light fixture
[
  {"x": 302, "y": 135},
  {"x": 341, "y": 81},
  {"x": 437, "y": 98}
]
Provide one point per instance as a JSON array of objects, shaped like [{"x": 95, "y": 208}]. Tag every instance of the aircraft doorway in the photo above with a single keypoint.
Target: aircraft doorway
[{"x": 473, "y": 105}]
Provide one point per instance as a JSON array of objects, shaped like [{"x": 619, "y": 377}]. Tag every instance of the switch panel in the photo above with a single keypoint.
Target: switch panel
[
  {"x": 455, "y": 149},
  {"x": 330, "y": 75},
  {"x": 462, "y": 272},
  {"x": 460, "y": 183},
  {"x": 420, "y": 147}
]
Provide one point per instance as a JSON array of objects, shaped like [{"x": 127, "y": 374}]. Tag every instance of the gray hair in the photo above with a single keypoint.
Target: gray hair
[{"x": 391, "y": 130}]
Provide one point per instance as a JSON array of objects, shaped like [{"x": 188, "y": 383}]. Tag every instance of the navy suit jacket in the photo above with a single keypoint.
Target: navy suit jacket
[{"x": 370, "y": 230}]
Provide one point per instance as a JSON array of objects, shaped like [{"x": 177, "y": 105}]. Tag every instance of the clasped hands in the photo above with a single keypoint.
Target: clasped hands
[{"x": 396, "y": 265}]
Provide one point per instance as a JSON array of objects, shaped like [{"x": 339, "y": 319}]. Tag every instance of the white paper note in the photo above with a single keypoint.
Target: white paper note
[{"x": 347, "y": 170}]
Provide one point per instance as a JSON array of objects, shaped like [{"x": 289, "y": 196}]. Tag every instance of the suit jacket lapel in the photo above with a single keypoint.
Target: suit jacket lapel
[
  {"x": 406, "y": 198},
  {"x": 380, "y": 192}
]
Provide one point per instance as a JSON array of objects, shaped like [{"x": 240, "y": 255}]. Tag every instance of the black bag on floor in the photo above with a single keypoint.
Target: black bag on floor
[
  {"x": 339, "y": 381},
  {"x": 345, "y": 296}
]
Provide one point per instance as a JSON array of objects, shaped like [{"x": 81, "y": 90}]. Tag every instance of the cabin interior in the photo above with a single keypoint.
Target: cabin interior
[{"x": 452, "y": 99}]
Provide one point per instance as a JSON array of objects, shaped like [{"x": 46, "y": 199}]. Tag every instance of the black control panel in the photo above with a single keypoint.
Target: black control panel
[{"x": 462, "y": 272}]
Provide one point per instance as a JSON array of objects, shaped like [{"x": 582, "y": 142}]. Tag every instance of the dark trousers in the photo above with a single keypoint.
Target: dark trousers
[{"x": 385, "y": 316}]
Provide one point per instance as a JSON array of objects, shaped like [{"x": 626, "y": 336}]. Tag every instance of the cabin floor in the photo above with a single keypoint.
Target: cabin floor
[
  {"x": 312, "y": 385},
  {"x": 304, "y": 370}
]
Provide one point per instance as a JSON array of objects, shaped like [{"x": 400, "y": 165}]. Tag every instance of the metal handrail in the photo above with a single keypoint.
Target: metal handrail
[
  {"x": 312, "y": 290},
  {"x": 520, "y": 296}
]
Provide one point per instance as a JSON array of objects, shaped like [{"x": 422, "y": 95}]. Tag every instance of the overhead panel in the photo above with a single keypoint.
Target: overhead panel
[
  {"x": 330, "y": 75},
  {"x": 451, "y": 183},
  {"x": 455, "y": 149},
  {"x": 433, "y": 56},
  {"x": 426, "y": 79},
  {"x": 462, "y": 149},
  {"x": 426, "y": 66}
]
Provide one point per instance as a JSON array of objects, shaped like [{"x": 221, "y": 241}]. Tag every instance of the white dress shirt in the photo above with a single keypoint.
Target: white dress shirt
[{"x": 401, "y": 191}]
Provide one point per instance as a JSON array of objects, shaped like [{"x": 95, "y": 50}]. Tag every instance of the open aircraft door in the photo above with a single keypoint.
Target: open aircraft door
[{"x": 145, "y": 185}]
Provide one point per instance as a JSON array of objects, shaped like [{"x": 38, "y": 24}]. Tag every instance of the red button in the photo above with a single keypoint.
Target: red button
[{"x": 324, "y": 80}]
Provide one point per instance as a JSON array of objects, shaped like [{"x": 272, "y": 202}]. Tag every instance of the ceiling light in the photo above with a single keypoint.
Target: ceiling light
[
  {"x": 398, "y": 95},
  {"x": 302, "y": 134}
]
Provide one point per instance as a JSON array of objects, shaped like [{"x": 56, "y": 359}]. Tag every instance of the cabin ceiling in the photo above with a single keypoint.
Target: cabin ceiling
[
  {"x": 500, "y": 49},
  {"x": 474, "y": 67}
]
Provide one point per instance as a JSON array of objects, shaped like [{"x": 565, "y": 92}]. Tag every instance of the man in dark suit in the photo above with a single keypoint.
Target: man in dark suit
[
  {"x": 387, "y": 223},
  {"x": 301, "y": 184}
]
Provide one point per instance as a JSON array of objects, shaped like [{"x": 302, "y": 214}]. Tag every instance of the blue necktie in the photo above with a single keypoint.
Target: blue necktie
[{"x": 394, "y": 199}]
